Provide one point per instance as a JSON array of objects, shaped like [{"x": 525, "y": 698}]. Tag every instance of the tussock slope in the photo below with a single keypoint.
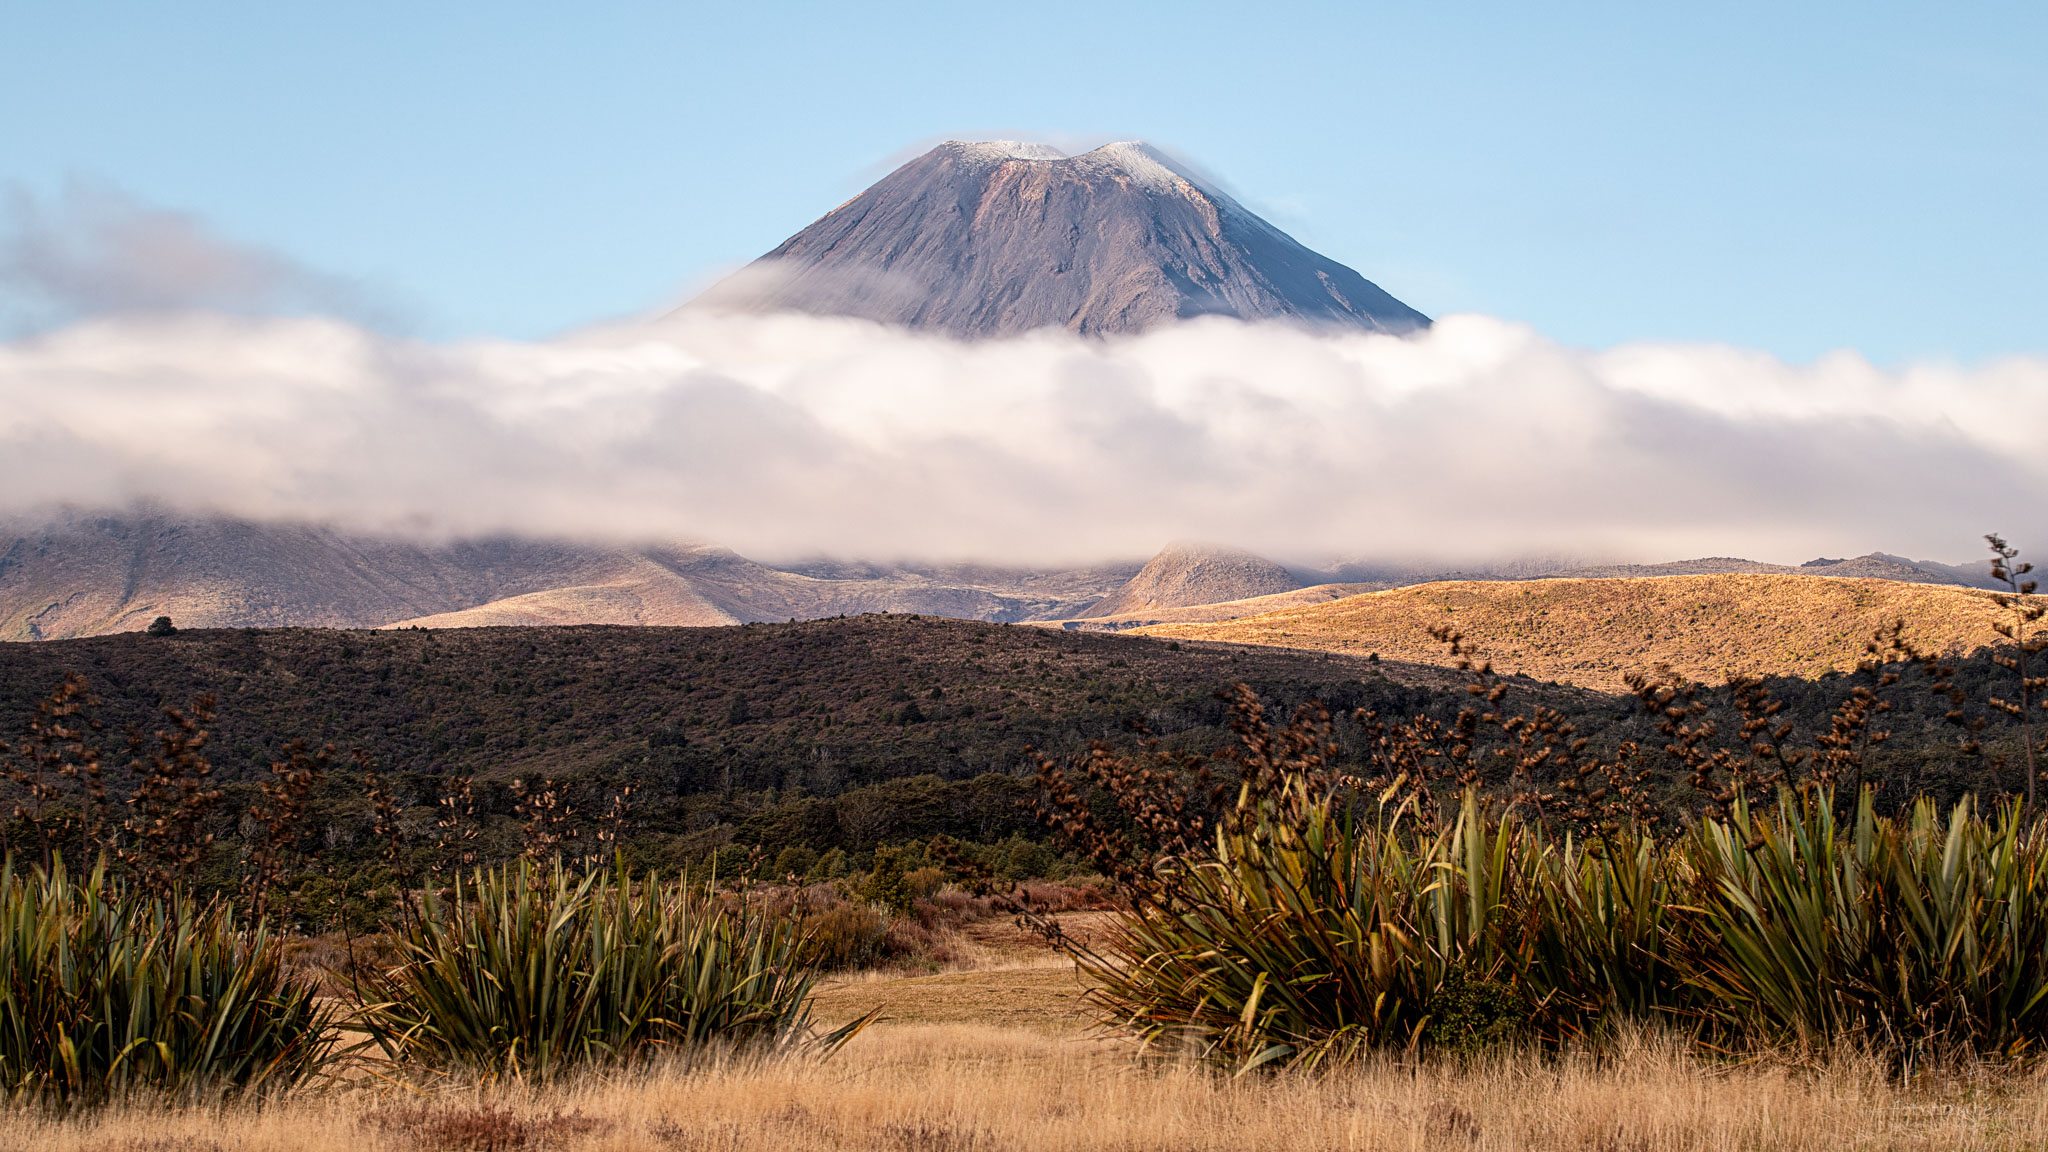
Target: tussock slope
[{"x": 1591, "y": 632}]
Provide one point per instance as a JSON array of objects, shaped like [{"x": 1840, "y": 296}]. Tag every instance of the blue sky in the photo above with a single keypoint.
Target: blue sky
[{"x": 1796, "y": 178}]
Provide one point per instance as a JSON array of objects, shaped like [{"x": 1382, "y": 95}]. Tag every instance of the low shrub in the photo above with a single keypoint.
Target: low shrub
[
  {"x": 843, "y": 934},
  {"x": 900, "y": 877},
  {"x": 107, "y": 993}
]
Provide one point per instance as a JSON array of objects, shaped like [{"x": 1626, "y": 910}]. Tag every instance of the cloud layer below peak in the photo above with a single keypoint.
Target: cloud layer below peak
[{"x": 789, "y": 436}]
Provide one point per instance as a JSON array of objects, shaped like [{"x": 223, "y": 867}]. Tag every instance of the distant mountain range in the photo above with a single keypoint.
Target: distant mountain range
[
  {"x": 1184, "y": 585},
  {"x": 89, "y": 575},
  {"x": 998, "y": 238},
  {"x": 1875, "y": 566}
]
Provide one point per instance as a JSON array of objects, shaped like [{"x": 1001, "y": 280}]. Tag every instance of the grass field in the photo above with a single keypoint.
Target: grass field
[
  {"x": 1589, "y": 632},
  {"x": 1002, "y": 1059},
  {"x": 1044, "y": 998}
]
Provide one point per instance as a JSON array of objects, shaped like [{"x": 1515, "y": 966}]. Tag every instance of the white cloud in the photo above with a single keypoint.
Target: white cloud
[
  {"x": 93, "y": 251},
  {"x": 785, "y": 436}
]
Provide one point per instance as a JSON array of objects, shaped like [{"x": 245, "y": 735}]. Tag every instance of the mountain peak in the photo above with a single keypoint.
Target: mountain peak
[
  {"x": 1185, "y": 574},
  {"x": 999, "y": 237}
]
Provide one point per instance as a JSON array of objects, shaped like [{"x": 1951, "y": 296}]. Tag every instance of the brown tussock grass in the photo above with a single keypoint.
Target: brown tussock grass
[
  {"x": 1591, "y": 632},
  {"x": 966, "y": 1088}
]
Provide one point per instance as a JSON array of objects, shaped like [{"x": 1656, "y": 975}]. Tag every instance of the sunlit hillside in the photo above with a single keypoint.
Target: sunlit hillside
[{"x": 1590, "y": 632}]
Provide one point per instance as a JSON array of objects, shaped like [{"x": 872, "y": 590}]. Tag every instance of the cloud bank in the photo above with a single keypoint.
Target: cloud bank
[
  {"x": 794, "y": 436},
  {"x": 93, "y": 251}
]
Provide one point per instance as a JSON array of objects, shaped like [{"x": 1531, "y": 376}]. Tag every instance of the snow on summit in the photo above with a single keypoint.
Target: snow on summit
[
  {"x": 1135, "y": 158},
  {"x": 1005, "y": 150}
]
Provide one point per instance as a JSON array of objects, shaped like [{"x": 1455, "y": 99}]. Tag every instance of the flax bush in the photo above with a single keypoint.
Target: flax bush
[
  {"x": 1917, "y": 934},
  {"x": 107, "y": 993},
  {"x": 532, "y": 972},
  {"x": 1310, "y": 934}
]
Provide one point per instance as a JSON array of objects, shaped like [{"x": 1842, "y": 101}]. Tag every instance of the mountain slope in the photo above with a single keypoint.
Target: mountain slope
[
  {"x": 1220, "y": 610},
  {"x": 995, "y": 239},
  {"x": 1185, "y": 575},
  {"x": 643, "y": 594},
  {"x": 90, "y": 575},
  {"x": 83, "y": 575},
  {"x": 1590, "y": 632}
]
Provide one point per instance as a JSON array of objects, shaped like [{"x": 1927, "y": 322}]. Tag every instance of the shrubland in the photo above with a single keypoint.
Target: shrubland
[
  {"x": 770, "y": 750},
  {"x": 333, "y": 769}
]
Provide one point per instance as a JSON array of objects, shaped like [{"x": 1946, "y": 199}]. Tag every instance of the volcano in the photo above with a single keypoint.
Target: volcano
[{"x": 1000, "y": 238}]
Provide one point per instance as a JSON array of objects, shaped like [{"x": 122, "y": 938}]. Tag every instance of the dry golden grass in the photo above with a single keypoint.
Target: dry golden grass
[
  {"x": 1589, "y": 632},
  {"x": 970, "y": 1088},
  {"x": 1043, "y": 996}
]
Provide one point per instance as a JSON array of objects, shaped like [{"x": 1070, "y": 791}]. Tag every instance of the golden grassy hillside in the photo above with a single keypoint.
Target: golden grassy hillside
[{"x": 1591, "y": 632}]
